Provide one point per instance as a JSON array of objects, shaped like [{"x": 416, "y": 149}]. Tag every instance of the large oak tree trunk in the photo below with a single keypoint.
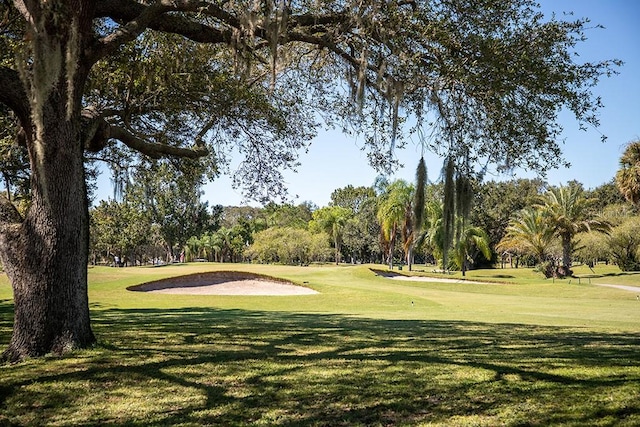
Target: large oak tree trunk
[
  {"x": 46, "y": 258},
  {"x": 45, "y": 253}
]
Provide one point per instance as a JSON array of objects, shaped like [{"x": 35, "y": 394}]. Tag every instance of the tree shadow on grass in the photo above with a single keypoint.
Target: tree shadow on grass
[
  {"x": 204, "y": 366},
  {"x": 6, "y": 321}
]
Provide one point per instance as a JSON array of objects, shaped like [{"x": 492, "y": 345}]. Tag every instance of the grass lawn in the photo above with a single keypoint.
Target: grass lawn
[{"x": 366, "y": 350}]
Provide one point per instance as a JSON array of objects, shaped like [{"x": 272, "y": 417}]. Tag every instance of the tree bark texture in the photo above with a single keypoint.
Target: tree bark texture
[
  {"x": 45, "y": 254},
  {"x": 565, "y": 269},
  {"x": 392, "y": 246},
  {"x": 46, "y": 258}
]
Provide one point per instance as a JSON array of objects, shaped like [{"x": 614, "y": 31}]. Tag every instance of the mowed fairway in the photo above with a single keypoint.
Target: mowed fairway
[{"x": 367, "y": 350}]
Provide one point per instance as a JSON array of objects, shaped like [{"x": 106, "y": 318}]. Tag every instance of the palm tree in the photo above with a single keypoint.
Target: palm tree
[
  {"x": 529, "y": 233},
  {"x": 471, "y": 239},
  {"x": 431, "y": 236},
  {"x": 192, "y": 248},
  {"x": 395, "y": 215},
  {"x": 229, "y": 242},
  {"x": 567, "y": 211},
  {"x": 211, "y": 246},
  {"x": 332, "y": 220},
  {"x": 628, "y": 177}
]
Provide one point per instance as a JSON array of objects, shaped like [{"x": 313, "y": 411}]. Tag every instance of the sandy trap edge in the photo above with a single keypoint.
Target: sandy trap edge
[{"x": 223, "y": 283}]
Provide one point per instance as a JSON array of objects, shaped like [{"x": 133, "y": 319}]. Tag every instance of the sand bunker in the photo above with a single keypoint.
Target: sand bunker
[
  {"x": 397, "y": 276},
  {"x": 223, "y": 283}
]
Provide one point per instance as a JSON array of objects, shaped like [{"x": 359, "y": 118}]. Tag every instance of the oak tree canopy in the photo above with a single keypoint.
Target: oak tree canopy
[{"x": 478, "y": 81}]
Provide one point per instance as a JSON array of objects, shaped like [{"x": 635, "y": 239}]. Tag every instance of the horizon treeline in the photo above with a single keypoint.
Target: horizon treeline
[{"x": 373, "y": 224}]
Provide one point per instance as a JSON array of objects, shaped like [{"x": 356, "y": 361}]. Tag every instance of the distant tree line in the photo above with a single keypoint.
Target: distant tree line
[
  {"x": 158, "y": 217},
  {"x": 521, "y": 222}
]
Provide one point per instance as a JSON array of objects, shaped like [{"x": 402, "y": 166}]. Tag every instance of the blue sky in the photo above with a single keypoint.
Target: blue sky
[{"x": 335, "y": 160}]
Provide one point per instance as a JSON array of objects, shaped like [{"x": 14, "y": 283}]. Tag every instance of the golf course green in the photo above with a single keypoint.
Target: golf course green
[{"x": 365, "y": 350}]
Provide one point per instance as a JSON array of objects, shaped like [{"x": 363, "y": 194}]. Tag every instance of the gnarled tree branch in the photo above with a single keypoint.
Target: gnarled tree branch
[
  {"x": 139, "y": 17},
  {"x": 131, "y": 30},
  {"x": 9, "y": 215},
  {"x": 152, "y": 150},
  {"x": 13, "y": 95},
  {"x": 156, "y": 16},
  {"x": 97, "y": 132}
]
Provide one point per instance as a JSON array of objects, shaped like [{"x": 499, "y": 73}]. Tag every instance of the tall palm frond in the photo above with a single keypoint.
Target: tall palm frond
[
  {"x": 471, "y": 239},
  {"x": 529, "y": 233},
  {"x": 628, "y": 177},
  {"x": 395, "y": 214},
  {"x": 568, "y": 213}
]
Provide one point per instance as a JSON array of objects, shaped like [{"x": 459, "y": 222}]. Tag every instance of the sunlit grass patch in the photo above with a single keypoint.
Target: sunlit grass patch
[{"x": 359, "y": 354}]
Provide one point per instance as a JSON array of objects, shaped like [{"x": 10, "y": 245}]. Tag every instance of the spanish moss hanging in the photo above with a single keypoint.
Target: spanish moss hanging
[{"x": 448, "y": 210}]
